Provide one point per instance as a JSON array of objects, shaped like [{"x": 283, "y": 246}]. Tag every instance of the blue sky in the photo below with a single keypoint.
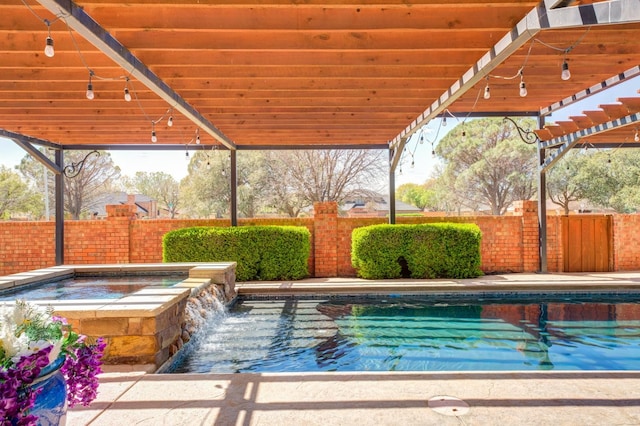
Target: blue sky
[{"x": 174, "y": 163}]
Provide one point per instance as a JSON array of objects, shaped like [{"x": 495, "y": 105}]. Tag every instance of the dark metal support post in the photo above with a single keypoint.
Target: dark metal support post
[
  {"x": 392, "y": 191},
  {"x": 233, "y": 156},
  {"x": 59, "y": 196},
  {"x": 542, "y": 203}
]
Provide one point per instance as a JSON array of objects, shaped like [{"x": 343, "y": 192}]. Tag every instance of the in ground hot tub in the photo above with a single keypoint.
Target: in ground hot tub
[{"x": 141, "y": 327}]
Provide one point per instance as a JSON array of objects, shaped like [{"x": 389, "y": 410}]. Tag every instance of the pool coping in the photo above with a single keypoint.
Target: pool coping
[{"x": 501, "y": 283}]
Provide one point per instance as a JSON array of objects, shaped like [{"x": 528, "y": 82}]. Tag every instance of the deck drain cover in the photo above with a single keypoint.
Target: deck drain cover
[{"x": 448, "y": 405}]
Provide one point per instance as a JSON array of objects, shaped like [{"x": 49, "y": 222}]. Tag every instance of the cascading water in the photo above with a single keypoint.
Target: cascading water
[{"x": 203, "y": 309}]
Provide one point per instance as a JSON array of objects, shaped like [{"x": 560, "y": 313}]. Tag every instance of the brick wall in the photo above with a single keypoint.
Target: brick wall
[
  {"x": 509, "y": 244},
  {"x": 626, "y": 242}
]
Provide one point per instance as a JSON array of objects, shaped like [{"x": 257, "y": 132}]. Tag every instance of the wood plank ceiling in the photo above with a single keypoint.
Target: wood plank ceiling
[{"x": 280, "y": 73}]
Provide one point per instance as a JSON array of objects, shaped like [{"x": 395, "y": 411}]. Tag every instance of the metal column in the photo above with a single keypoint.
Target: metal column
[
  {"x": 542, "y": 204},
  {"x": 234, "y": 187},
  {"x": 59, "y": 196},
  {"x": 392, "y": 191}
]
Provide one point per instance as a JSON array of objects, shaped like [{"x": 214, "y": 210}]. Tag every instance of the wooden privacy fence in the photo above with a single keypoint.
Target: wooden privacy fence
[{"x": 586, "y": 243}]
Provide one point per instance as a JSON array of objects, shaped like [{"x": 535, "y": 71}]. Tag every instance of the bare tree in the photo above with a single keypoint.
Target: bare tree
[
  {"x": 335, "y": 175},
  {"x": 88, "y": 188}
]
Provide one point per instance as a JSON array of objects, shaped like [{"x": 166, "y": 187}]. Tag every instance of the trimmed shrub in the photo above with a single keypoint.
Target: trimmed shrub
[
  {"x": 435, "y": 250},
  {"x": 261, "y": 252}
]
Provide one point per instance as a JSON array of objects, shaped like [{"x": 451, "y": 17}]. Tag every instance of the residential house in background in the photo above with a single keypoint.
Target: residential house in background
[
  {"x": 146, "y": 207},
  {"x": 375, "y": 206}
]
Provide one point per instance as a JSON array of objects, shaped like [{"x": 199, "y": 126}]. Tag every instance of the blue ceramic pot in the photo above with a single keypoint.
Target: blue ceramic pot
[{"x": 51, "y": 402}]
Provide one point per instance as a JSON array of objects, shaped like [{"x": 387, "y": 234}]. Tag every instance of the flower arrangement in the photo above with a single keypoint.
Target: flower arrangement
[{"x": 31, "y": 338}]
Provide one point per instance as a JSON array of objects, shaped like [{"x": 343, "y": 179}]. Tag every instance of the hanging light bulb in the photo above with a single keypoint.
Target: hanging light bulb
[
  {"x": 198, "y": 136},
  {"x": 413, "y": 162},
  {"x": 523, "y": 89},
  {"x": 48, "y": 48},
  {"x": 637, "y": 136},
  {"x": 186, "y": 152},
  {"x": 444, "y": 121},
  {"x": 154, "y": 138},
  {"x": 90, "y": 94},
  {"x": 566, "y": 74},
  {"x": 170, "y": 121},
  {"x": 421, "y": 139},
  {"x": 127, "y": 95},
  {"x": 487, "y": 91},
  {"x": 208, "y": 164}
]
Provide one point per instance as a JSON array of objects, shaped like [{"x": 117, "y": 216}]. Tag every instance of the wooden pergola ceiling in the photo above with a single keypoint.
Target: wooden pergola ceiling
[{"x": 275, "y": 73}]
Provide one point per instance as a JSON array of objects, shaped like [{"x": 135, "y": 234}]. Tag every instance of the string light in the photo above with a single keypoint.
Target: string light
[
  {"x": 186, "y": 153},
  {"x": 48, "y": 48},
  {"x": 523, "y": 87},
  {"x": 49, "y": 51},
  {"x": 127, "y": 95},
  {"x": 444, "y": 121},
  {"x": 637, "y": 136},
  {"x": 566, "y": 74},
  {"x": 487, "y": 90},
  {"x": 154, "y": 138},
  {"x": 90, "y": 94},
  {"x": 198, "y": 136}
]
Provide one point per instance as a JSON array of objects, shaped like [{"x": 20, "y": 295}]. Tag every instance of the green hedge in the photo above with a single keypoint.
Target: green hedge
[
  {"x": 261, "y": 252},
  {"x": 437, "y": 250}
]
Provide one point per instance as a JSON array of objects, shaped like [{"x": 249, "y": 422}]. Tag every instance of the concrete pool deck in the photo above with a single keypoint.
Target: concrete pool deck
[{"x": 128, "y": 395}]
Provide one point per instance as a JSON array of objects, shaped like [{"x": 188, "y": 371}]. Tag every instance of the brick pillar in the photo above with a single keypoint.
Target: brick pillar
[
  {"x": 530, "y": 234},
  {"x": 325, "y": 236}
]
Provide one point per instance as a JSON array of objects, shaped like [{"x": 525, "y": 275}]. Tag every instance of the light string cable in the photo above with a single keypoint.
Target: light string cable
[
  {"x": 566, "y": 51},
  {"x": 92, "y": 74},
  {"x": 129, "y": 88},
  {"x": 48, "y": 50},
  {"x": 440, "y": 125}
]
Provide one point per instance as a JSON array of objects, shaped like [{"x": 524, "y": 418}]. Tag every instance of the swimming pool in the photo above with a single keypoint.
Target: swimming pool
[
  {"x": 89, "y": 287},
  {"x": 420, "y": 334}
]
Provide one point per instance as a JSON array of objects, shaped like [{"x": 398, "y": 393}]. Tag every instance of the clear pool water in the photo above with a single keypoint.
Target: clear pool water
[
  {"x": 96, "y": 287},
  {"x": 391, "y": 334}
]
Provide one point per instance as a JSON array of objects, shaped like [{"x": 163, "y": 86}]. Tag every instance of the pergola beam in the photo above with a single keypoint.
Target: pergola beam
[
  {"x": 77, "y": 19},
  {"x": 566, "y": 142},
  {"x": 616, "y": 79},
  {"x": 547, "y": 15},
  {"x": 27, "y": 142},
  {"x": 503, "y": 49}
]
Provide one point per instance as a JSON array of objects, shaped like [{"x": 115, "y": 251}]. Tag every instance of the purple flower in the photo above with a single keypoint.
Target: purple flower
[{"x": 81, "y": 371}]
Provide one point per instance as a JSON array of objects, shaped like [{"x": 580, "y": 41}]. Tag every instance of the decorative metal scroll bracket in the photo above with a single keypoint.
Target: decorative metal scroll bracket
[
  {"x": 74, "y": 169},
  {"x": 527, "y": 136}
]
